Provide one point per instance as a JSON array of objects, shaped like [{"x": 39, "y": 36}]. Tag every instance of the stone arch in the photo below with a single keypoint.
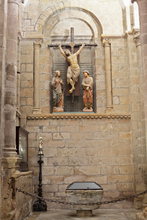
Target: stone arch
[
  {"x": 52, "y": 24},
  {"x": 45, "y": 26},
  {"x": 53, "y": 15}
]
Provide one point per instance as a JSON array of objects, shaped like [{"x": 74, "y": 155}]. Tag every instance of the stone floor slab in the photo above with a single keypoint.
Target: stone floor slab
[{"x": 101, "y": 214}]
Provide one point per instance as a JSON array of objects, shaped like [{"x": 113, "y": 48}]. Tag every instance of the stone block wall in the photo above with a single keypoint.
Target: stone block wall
[
  {"x": 36, "y": 27},
  {"x": 26, "y": 84},
  {"x": 120, "y": 75},
  {"x": 96, "y": 150},
  {"x": 36, "y": 12}
]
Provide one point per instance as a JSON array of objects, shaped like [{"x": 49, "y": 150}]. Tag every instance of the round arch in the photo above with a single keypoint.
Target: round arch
[
  {"x": 52, "y": 25},
  {"x": 53, "y": 17}
]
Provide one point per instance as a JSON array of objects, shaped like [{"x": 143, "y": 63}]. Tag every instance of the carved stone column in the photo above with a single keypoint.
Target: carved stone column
[
  {"x": 3, "y": 26},
  {"x": 143, "y": 38},
  {"x": 36, "y": 108},
  {"x": 11, "y": 78},
  {"x": 10, "y": 160},
  {"x": 108, "y": 71}
]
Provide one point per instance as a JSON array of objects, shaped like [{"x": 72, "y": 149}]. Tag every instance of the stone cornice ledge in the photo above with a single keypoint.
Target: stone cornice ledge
[{"x": 78, "y": 116}]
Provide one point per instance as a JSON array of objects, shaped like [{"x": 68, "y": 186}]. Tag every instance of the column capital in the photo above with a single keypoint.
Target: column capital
[
  {"x": 106, "y": 42},
  {"x": 38, "y": 42}
]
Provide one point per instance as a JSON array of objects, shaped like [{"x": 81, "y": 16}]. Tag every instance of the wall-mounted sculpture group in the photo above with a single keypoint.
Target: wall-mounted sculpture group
[{"x": 72, "y": 77}]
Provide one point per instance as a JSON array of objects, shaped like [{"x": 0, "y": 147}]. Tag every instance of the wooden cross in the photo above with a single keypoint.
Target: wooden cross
[{"x": 72, "y": 44}]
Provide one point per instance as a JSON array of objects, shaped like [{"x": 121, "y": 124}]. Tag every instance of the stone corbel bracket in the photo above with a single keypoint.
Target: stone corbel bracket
[{"x": 78, "y": 116}]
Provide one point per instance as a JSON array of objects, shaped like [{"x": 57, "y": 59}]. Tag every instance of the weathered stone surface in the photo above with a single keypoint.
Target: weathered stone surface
[{"x": 83, "y": 156}]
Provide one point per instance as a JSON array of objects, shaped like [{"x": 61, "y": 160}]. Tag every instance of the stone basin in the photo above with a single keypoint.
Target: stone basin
[{"x": 84, "y": 193}]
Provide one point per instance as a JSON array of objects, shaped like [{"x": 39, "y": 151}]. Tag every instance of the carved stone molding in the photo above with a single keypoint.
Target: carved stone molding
[
  {"x": 108, "y": 37},
  {"x": 78, "y": 116}
]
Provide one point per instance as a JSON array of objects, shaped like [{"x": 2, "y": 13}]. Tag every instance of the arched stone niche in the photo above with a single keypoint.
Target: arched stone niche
[{"x": 87, "y": 29}]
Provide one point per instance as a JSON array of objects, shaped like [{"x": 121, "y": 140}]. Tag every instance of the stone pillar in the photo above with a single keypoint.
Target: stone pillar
[
  {"x": 143, "y": 25},
  {"x": 143, "y": 38},
  {"x": 36, "y": 108},
  {"x": 108, "y": 71},
  {"x": 3, "y": 26},
  {"x": 11, "y": 76}
]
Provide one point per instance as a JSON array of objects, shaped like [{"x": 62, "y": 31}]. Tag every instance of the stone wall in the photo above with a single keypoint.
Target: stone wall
[
  {"x": 120, "y": 78},
  {"x": 42, "y": 10},
  {"x": 120, "y": 75},
  {"x": 36, "y": 71},
  {"x": 79, "y": 149}
]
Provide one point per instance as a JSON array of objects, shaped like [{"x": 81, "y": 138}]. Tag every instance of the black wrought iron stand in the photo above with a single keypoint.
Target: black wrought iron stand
[{"x": 40, "y": 205}]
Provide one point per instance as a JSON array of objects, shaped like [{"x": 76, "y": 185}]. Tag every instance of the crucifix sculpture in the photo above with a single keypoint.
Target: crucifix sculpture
[{"x": 73, "y": 70}]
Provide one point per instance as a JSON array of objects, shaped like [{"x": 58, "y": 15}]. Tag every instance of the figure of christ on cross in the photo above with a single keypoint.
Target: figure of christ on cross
[{"x": 73, "y": 70}]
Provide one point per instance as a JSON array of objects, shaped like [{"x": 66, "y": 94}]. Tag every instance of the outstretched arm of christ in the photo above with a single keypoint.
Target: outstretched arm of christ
[
  {"x": 79, "y": 51},
  {"x": 62, "y": 51}
]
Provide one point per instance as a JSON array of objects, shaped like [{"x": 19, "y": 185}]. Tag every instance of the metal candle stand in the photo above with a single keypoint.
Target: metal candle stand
[{"x": 40, "y": 205}]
